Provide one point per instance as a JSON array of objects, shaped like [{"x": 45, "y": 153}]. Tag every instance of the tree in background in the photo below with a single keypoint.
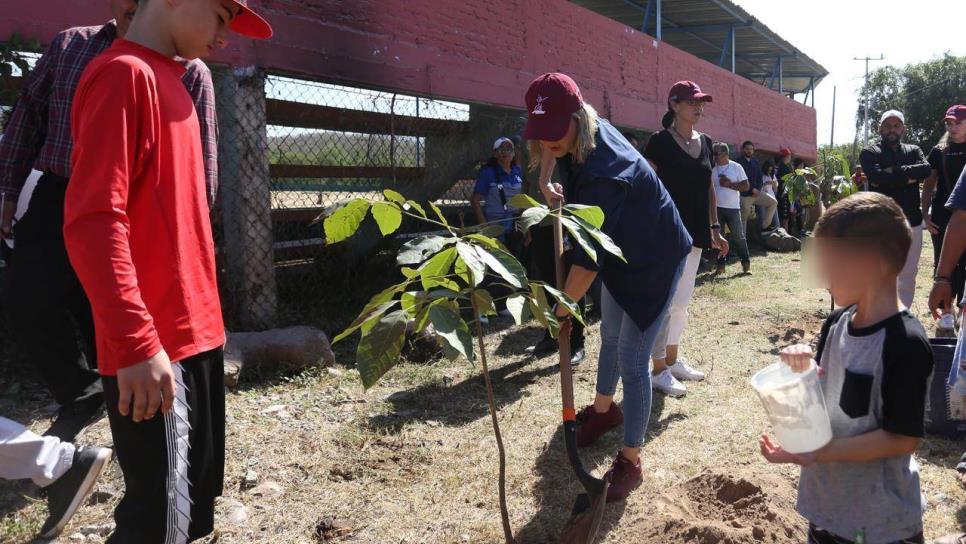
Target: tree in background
[{"x": 921, "y": 91}]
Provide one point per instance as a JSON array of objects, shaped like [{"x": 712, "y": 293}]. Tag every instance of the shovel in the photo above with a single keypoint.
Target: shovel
[{"x": 588, "y": 510}]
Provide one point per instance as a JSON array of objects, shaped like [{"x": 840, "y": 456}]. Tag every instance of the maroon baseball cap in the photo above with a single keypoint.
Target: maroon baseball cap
[
  {"x": 552, "y": 100},
  {"x": 248, "y": 23},
  {"x": 686, "y": 90},
  {"x": 956, "y": 113},
  {"x": 785, "y": 151}
]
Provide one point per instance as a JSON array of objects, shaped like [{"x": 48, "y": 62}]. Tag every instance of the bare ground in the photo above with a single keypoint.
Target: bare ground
[{"x": 413, "y": 459}]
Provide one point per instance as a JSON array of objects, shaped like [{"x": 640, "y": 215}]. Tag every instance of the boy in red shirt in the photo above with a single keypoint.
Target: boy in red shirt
[{"x": 137, "y": 232}]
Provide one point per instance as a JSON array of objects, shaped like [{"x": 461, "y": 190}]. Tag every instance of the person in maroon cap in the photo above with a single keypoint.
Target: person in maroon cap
[
  {"x": 784, "y": 168},
  {"x": 598, "y": 167},
  {"x": 947, "y": 160},
  {"x": 683, "y": 159}
]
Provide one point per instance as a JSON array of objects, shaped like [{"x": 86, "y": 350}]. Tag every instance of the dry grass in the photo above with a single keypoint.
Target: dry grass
[{"x": 413, "y": 460}]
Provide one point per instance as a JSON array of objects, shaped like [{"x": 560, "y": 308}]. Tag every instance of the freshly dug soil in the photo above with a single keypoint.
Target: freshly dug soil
[{"x": 734, "y": 508}]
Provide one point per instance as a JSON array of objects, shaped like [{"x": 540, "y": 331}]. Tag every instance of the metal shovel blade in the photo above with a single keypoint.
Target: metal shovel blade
[{"x": 585, "y": 518}]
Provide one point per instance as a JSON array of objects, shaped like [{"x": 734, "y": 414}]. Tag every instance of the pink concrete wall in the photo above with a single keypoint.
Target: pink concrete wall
[{"x": 483, "y": 52}]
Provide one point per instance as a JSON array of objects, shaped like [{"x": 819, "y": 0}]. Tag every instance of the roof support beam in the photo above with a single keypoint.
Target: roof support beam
[
  {"x": 647, "y": 16},
  {"x": 729, "y": 46}
]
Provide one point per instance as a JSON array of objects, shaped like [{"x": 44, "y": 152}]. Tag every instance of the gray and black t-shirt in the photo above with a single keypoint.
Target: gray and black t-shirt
[{"x": 875, "y": 378}]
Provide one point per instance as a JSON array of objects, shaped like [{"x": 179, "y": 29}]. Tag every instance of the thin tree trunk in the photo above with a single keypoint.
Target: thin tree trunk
[{"x": 504, "y": 512}]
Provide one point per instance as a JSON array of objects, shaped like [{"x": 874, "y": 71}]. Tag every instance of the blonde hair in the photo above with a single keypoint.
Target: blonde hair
[{"x": 586, "y": 118}]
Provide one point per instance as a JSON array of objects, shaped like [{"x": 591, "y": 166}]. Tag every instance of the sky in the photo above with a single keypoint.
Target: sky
[{"x": 833, "y": 32}]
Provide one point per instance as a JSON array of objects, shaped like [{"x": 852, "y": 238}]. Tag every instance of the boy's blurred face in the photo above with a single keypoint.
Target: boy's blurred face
[
  {"x": 200, "y": 26},
  {"x": 847, "y": 267},
  {"x": 123, "y": 12}
]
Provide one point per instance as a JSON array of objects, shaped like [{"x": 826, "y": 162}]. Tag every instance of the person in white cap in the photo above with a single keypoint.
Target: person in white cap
[
  {"x": 67, "y": 472},
  {"x": 896, "y": 169}
]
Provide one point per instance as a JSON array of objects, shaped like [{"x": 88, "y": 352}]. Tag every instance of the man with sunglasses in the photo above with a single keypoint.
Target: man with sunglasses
[{"x": 896, "y": 169}]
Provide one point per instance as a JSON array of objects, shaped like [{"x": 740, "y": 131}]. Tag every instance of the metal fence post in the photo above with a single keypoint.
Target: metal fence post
[{"x": 245, "y": 195}]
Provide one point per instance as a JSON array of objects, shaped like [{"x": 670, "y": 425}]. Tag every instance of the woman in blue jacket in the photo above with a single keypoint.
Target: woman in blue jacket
[{"x": 599, "y": 168}]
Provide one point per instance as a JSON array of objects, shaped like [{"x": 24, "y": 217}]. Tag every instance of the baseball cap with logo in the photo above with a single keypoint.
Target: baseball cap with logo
[
  {"x": 686, "y": 90},
  {"x": 248, "y": 23},
  {"x": 500, "y": 141},
  {"x": 893, "y": 113},
  {"x": 552, "y": 100},
  {"x": 956, "y": 113}
]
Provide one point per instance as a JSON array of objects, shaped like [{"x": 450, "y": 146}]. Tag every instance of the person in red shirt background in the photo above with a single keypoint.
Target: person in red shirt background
[
  {"x": 137, "y": 232},
  {"x": 50, "y": 314}
]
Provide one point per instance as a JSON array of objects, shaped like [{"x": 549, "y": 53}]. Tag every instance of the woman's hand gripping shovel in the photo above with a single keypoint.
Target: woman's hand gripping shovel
[{"x": 588, "y": 510}]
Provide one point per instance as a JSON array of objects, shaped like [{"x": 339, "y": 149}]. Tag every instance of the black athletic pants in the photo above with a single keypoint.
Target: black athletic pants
[
  {"x": 174, "y": 463},
  {"x": 50, "y": 316}
]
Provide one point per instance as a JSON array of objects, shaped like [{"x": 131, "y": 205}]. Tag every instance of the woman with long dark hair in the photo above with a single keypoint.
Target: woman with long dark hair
[
  {"x": 598, "y": 167},
  {"x": 683, "y": 159}
]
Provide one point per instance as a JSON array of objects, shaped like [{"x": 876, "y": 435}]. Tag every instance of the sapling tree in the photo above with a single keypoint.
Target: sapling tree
[{"x": 443, "y": 279}]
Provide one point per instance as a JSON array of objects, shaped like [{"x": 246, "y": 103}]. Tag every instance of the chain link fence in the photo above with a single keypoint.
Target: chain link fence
[{"x": 289, "y": 148}]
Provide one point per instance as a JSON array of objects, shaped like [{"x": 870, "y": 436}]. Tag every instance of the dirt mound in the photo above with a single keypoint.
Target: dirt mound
[{"x": 716, "y": 508}]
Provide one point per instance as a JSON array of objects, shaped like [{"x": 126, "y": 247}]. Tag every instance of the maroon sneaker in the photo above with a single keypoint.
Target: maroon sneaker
[
  {"x": 624, "y": 477},
  {"x": 591, "y": 425}
]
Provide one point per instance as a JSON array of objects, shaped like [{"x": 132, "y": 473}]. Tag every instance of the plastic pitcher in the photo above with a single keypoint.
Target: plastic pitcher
[{"x": 795, "y": 405}]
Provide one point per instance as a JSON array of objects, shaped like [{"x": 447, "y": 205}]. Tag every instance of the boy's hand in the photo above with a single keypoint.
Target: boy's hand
[
  {"x": 940, "y": 298},
  {"x": 149, "y": 384},
  {"x": 774, "y": 453},
  {"x": 798, "y": 357}
]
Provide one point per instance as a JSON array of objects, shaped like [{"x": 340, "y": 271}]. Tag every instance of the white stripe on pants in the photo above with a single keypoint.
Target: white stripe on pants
[
  {"x": 907, "y": 278},
  {"x": 24, "y": 454},
  {"x": 176, "y": 430},
  {"x": 677, "y": 318}
]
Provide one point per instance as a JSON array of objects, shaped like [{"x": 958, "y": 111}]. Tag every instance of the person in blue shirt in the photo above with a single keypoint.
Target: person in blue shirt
[
  {"x": 499, "y": 180},
  {"x": 598, "y": 167}
]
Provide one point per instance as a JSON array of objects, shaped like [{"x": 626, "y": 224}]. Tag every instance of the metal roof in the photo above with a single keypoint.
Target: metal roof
[{"x": 722, "y": 33}]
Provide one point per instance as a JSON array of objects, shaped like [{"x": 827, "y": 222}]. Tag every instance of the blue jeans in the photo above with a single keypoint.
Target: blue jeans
[{"x": 625, "y": 352}]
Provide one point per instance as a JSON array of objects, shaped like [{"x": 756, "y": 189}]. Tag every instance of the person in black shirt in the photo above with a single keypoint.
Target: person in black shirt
[
  {"x": 947, "y": 160},
  {"x": 763, "y": 203},
  {"x": 895, "y": 169},
  {"x": 683, "y": 159}
]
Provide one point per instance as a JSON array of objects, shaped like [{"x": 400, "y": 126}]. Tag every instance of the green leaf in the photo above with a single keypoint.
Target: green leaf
[
  {"x": 379, "y": 349},
  {"x": 532, "y": 216},
  {"x": 591, "y": 214},
  {"x": 583, "y": 237},
  {"x": 493, "y": 231},
  {"x": 451, "y": 328},
  {"x": 517, "y": 305},
  {"x": 410, "y": 273},
  {"x": 487, "y": 241},
  {"x": 393, "y": 196},
  {"x": 523, "y": 201},
  {"x": 605, "y": 241},
  {"x": 439, "y": 213},
  {"x": 563, "y": 299},
  {"x": 345, "y": 220},
  {"x": 431, "y": 272},
  {"x": 474, "y": 264},
  {"x": 541, "y": 309},
  {"x": 484, "y": 302},
  {"x": 367, "y": 317},
  {"x": 415, "y": 205},
  {"x": 416, "y": 250},
  {"x": 504, "y": 264},
  {"x": 387, "y": 216}
]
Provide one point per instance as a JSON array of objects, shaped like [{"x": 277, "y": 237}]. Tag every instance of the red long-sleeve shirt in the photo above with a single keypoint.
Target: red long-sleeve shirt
[{"x": 136, "y": 220}]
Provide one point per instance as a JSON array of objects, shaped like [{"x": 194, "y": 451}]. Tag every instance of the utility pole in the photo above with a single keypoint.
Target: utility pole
[
  {"x": 831, "y": 143},
  {"x": 865, "y": 123}
]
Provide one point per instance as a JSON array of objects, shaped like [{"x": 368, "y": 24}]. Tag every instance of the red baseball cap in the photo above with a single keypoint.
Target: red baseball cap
[
  {"x": 552, "y": 100},
  {"x": 248, "y": 23},
  {"x": 956, "y": 113},
  {"x": 686, "y": 90},
  {"x": 785, "y": 152}
]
